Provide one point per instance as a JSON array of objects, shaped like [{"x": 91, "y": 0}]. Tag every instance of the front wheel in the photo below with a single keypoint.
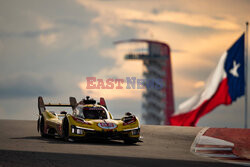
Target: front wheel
[{"x": 65, "y": 129}]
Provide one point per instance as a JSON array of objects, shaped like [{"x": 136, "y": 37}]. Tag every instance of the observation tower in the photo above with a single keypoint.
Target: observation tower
[{"x": 158, "y": 102}]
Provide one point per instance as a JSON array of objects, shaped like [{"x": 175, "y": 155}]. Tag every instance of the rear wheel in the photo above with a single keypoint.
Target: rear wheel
[
  {"x": 38, "y": 124},
  {"x": 41, "y": 127}
]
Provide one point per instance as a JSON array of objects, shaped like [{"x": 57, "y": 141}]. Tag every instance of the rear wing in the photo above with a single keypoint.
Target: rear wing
[
  {"x": 103, "y": 102},
  {"x": 73, "y": 103},
  {"x": 42, "y": 106}
]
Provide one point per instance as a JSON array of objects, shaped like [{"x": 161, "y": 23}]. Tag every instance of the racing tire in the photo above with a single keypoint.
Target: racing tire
[
  {"x": 66, "y": 129},
  {"x": 38, "y": 124},
  {"x": 41, "y": 127}
]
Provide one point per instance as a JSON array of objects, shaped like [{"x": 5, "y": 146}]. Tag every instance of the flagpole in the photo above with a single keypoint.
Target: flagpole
[{"x": 246, "y": 73}]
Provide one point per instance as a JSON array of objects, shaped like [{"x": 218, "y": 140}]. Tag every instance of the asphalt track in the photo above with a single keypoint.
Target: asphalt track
[{"x": 21, "y": 145}]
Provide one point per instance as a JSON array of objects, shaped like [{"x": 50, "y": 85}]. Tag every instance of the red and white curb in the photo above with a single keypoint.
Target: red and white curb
[{"x": 219, "y": 149}]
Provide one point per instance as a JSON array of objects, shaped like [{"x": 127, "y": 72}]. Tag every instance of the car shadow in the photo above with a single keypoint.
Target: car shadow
[{"x": 56, "y": 140}]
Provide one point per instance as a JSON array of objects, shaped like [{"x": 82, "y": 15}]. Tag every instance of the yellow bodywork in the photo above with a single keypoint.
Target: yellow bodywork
[{"x": 55, "y": 121}]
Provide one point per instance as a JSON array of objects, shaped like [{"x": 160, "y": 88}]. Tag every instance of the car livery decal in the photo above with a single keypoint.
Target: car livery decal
[
  {"x": 105, "y": 125},
  {"x": 82, "y": 121},
  {"x": 130, "y": 122}
]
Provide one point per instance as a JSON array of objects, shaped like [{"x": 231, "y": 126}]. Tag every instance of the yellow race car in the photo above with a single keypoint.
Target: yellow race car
[{"x": 87, "y": 121}]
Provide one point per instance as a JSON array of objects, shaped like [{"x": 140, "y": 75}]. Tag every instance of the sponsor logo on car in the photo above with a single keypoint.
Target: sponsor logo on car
[
  {"x": 130, "y": 121},
  {"x": 105, "y": 125}
]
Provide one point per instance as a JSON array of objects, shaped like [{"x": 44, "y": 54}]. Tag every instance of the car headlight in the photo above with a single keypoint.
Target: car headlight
[
  {"x": 135, "y": 132},
  {"x": 76, "y": 130}
]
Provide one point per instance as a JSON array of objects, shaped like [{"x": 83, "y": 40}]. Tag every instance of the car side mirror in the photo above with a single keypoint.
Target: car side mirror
[{"x": 128, "y": 114}]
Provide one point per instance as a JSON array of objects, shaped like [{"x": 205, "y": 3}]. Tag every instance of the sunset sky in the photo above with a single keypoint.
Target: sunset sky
[{"x": 48, "y": 48}]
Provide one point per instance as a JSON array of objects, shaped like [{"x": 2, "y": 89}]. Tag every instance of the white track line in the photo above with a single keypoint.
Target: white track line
[
  {"x": 197, "y": 138},
  {"x": 213, "y": 148},
  {"x": 206, "y": 140},
  {"x": 221, "y": 155}
]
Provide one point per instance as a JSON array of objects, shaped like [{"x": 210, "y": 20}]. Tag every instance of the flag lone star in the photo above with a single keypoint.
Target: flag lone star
[
  {"x": 224, "y": 86},
  {"x": 233, "y": 71}
]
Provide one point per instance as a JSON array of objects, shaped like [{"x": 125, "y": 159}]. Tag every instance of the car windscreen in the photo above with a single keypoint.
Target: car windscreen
[{"x": 94, "y": 113}]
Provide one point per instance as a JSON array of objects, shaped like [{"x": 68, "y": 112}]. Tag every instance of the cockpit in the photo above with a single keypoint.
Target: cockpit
[{"x": 91, "y": 112}]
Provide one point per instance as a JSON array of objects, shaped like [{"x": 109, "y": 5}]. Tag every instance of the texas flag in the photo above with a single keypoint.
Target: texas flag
[{"x": 225, "y": 84}]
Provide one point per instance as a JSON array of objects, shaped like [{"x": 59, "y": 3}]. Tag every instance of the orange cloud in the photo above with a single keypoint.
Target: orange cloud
[
  {"x": 200, "y": 51},
  {"x": 120, "y": 70},
  {"x": 121, "y": 14},
  {"x": 199, "y": 84}
]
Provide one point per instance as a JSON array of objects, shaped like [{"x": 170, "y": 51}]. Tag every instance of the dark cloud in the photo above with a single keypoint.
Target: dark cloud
[
  {"x": 155, "y": 11},
  {"x": 72, "y": 22},
  {"x": 27, "y": 86},
  {"x": 27, "y": 34},
  {"x": 141, "y": 21}
]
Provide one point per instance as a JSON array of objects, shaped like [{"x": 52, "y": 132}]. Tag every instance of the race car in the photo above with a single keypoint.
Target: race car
[{"x": 88, "y": 120}]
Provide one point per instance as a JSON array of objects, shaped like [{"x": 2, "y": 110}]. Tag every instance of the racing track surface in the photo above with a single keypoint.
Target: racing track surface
[{"x": 21, "y": 145}]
